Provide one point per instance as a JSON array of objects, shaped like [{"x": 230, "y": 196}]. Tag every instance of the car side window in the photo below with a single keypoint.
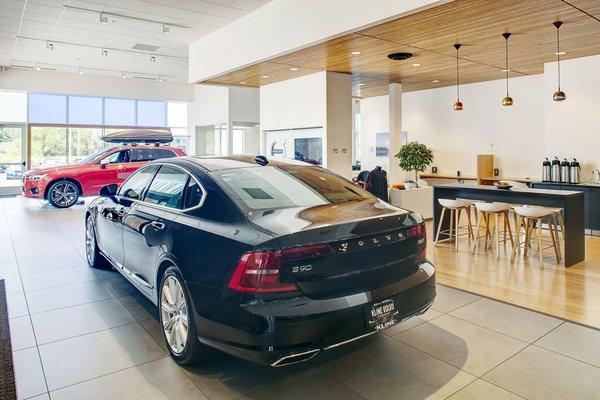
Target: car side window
[
  {"x": 117, "y": 157},
  {"x": 193, "y": 194},
  {"x": 133, "y": 188},
  {"x": 167, "y": 187},
  {"x": 149, "y": 154}
]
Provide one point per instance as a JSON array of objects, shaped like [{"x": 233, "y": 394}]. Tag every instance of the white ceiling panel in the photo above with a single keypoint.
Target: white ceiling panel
[{"x": 78, "y": 36}]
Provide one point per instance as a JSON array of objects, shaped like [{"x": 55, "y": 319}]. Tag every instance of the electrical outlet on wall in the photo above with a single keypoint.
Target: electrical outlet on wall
[{"x": 493, "y": 146}]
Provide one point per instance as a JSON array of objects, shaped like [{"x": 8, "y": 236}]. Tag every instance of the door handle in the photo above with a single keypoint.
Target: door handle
[{"x": 157, "y": 225}]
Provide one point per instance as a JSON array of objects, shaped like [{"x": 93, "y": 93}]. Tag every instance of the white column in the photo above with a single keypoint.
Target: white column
[
  {"x": 338, "y": 124},
  {"x": 395, "y": 104}
]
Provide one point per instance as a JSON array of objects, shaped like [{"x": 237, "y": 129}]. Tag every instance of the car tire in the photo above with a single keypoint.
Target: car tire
[
  {"x": 63, "y": 194},
  {"x": 93, "y": 256},
  {"x": 175, "y": 311}
]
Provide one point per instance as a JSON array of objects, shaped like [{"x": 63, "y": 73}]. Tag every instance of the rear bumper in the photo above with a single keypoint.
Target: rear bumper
[{"x": 294, "y": 330}]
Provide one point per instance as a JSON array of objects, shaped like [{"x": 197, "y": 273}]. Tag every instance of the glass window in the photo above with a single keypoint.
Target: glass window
[
  {"x": 85, "y": 110},
  {"x": 177, "y": 114},
  {"x": 83, "y": 142},
  {"x": 119, "y": 112},
  {"x": 149, "y": 154},
  {"x": 288, "y": 186},
  {"x": 193, "y": 194},
  {"x": 167, "y": 187},
  {"x": 13, "y": 106},
  {"x": 151, "y": 113},
  {"x": 47, "y": 108},
  {"x": 117, "y": 157},
  {"x": 133, "y": 188},
  {"x": 48, "y": 146}
]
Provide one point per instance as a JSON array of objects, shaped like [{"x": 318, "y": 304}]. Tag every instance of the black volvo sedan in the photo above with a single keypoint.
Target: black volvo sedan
[{"x": 269, "y": 260}]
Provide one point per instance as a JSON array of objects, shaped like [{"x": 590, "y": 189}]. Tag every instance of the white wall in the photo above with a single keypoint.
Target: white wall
[
  {"x": 573, "y": 126},
  {"x": 280, "y": 26},
  {"x": 56, "y": 82},
  {"x": 295, "y": 103},
  {"x": 374, "y": 113},
  {"x": 519, "y": 136},
  {"x": 338, "y": 125},
  {"x": 244, "y": 104},
  {"x": 515, "y": 135}
]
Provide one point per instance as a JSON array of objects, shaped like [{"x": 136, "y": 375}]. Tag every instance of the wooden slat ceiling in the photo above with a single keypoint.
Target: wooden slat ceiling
[{"x": 476, "y": 24}]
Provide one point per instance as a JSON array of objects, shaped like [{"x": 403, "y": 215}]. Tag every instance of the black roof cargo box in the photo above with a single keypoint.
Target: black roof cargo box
[{"x": 139, "y": 136}]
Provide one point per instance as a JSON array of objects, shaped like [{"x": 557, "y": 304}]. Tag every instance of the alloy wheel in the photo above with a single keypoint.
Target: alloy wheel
[
  {"x": 90, "y": 241},
  {"x": 64, "y": 194},
  {"x": 174, "y": 313}
]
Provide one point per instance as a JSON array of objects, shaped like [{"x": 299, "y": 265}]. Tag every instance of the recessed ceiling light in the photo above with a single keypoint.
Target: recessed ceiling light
[
  {"x": 361, "y": 84},
  {"x": 294, "y": 69},
  {"x": 243, "y": 83},
  {"x": 416, "y": 65},
  {"x": 560, "y": 53},
  {"x": 356, "y": 53},
  {"x": 266, "y": 76},
  {"x": 435, "y": 80},
  {"x": 506, "y": 70}
]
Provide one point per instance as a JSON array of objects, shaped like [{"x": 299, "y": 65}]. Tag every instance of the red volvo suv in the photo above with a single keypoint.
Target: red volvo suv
[{"x": 63, "y": 185}]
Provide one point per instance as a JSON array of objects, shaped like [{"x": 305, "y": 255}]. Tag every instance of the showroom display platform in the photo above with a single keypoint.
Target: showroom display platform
[{"x": 84, "y": 334}]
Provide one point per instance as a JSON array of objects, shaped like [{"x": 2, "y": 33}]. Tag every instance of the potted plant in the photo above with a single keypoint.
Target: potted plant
[{"x": 414, "y": 156}]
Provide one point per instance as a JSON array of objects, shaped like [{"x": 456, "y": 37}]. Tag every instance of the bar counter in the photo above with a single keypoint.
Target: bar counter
[{"x": 570, "y": 201}]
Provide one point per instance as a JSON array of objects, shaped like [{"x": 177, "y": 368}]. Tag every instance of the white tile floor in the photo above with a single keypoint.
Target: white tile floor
[{"x": 84, "y": 334}]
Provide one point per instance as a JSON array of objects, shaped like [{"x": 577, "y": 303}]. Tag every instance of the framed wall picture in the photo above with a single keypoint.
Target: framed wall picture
[{"x": 382, "y": 144}]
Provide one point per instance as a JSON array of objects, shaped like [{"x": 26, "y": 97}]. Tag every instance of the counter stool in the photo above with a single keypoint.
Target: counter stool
[
  {"x": 496, "y": 212},
  {"x": 455, "y": 207},
  {"x": 530, "y": 216}
]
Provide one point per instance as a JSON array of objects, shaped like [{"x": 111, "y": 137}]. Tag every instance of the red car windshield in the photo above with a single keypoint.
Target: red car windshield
[{"x": 94, "y": 155}]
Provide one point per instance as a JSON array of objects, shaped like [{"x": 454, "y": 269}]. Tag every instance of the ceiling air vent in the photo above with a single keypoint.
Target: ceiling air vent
[
  {"x": 145, "y": 47},
  {"x": 400, "y": 56}
]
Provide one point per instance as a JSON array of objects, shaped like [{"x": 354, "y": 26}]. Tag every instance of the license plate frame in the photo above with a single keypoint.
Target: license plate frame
[{"x": 382, "y": 314}]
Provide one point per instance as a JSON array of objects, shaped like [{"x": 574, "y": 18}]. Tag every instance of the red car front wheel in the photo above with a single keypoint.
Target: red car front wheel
[{"x": 63, "y": 194}]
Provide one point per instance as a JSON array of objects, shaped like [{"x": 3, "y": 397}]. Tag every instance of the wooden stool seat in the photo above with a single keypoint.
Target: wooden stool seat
[
  {"x": 491, "y": 214},
  {"x": 530, "y": 218},
  {"x": 455, "y": 207}
]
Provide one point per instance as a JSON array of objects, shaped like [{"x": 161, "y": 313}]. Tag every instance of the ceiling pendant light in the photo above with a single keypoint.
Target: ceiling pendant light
[
  {"x": 559, "y": 95},
  {"x": 458, "y": 105},
  {"x": 507, "y": 101}
]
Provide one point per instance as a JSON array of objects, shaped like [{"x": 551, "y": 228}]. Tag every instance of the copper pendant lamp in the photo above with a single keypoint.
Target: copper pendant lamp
[
  {"x": 458, "y": 105},
  {"x": 559, "y": 95},
  {"x": 507, "y": 100}
]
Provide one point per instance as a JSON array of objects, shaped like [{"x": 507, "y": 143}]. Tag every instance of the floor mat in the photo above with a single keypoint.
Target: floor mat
[{"x": 7, "y": 376}]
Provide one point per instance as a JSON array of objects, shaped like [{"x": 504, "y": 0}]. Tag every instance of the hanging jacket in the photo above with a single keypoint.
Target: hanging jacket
[{"x": 378, "y": 184}]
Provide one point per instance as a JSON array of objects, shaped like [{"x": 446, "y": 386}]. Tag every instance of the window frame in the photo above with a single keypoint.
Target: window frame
[
  {"x": 190, "y": 175},
  {"x": 143, "y": 194}
]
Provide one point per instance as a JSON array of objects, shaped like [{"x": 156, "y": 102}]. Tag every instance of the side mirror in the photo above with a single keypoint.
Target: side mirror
[
  {"x": 103, "y": 163},
  {"x": 108, "y": 190}
]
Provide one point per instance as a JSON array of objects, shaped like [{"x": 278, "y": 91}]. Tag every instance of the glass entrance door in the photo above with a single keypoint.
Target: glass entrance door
[{"x": 12, "y": 158}]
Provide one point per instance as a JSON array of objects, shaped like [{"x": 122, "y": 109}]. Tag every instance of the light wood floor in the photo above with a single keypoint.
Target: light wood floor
[{"x": 571, "y": 293}]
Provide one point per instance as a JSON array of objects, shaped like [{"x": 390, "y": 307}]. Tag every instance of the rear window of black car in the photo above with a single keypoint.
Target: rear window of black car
[{"x": 270, "y": 187}]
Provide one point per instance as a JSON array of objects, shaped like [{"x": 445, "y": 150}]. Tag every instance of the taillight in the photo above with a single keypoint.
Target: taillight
[
  {"x": 258, "y": 272},
  {"x": 418, "y": 230}
]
